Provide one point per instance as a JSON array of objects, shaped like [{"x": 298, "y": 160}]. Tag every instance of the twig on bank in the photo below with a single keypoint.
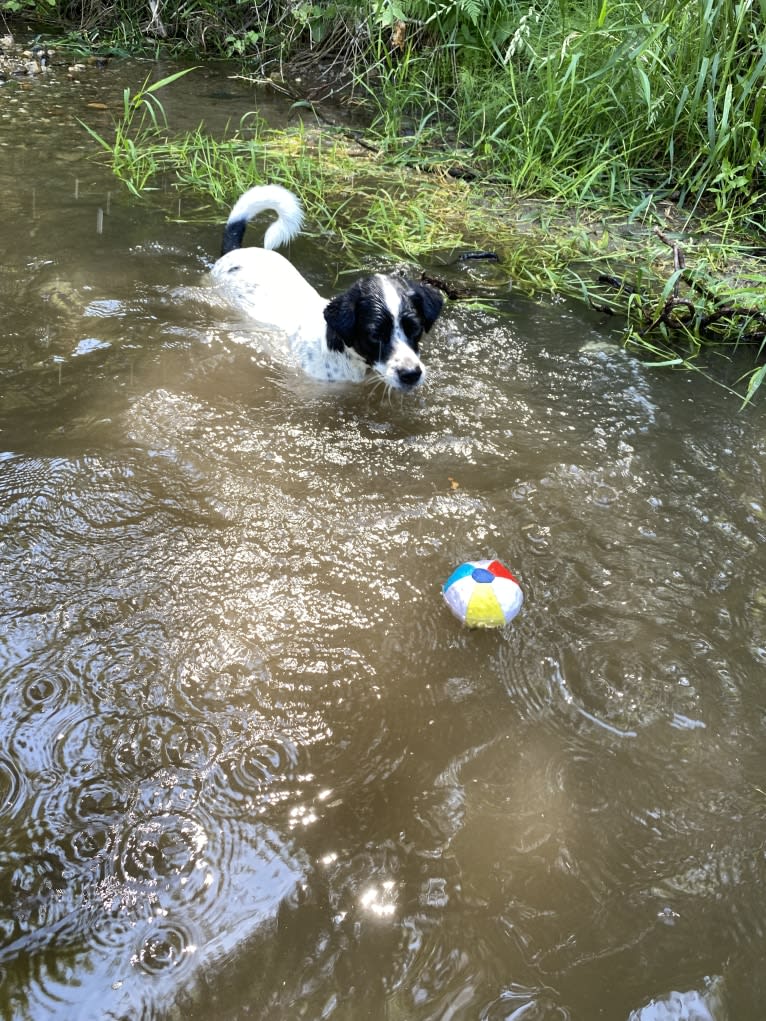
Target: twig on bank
[
  {"x": 729, "y": 314},
  {"x": 705, "y": 321},
  {"x": 453, "y": 293},
  {"x": 617, "y": 282},
  {"x": 668, "y": 313}
]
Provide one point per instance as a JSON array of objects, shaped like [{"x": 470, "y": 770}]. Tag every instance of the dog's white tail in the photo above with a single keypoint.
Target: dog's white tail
[{"x": 256, "y": 200}]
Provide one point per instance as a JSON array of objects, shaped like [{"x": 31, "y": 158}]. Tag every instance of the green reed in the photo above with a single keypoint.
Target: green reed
[
  {"x": 364, "y": 199},
  {"x": 599, "y": 98}
]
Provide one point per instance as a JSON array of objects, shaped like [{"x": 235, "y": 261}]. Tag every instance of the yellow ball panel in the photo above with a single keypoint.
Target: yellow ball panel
[{"x": 483, "y": 608}]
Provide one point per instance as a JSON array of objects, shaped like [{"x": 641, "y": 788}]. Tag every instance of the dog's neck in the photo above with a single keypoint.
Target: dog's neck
[{"x": 321, "y": 352}]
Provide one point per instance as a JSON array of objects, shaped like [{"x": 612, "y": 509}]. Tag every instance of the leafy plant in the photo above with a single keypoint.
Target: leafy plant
[
  {"x": 138, "y": 134},
  {"x": 606, "y": 108},
  {"x": 29, "y": 7}
]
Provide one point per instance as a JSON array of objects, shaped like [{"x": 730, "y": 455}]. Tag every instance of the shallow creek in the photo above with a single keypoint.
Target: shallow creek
[{"x": 250, "y": 766}]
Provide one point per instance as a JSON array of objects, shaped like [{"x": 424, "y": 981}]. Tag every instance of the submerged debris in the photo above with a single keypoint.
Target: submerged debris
[
  {"x": 20, "y": 61},
  {"x": 30, "y": 60}
]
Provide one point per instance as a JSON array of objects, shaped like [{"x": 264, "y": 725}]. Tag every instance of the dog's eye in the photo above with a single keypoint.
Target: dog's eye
[
  {"x": 413, "y": 331},
  {"x": 373, "y": 346}
]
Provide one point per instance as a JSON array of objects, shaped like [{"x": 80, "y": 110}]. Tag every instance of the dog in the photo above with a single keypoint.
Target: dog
[{"x": 375, "y": 326}]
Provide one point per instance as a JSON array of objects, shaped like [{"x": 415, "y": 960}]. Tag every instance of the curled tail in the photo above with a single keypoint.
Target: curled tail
[{"x": 256, "y": 200}]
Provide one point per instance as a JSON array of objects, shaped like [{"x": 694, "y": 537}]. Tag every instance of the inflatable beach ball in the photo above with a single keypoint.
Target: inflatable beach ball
[{"x": 483, "y": 593}]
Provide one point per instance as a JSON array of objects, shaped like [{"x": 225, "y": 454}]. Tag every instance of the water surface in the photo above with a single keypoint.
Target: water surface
[{"x": 250, "y": 766}]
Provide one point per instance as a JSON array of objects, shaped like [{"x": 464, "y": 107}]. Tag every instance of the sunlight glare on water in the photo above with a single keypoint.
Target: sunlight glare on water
[{"x": 250, "y": 765}]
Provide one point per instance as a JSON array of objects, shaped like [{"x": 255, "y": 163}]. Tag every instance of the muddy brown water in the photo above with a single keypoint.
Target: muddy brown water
[{"x": 250, "y": 766}]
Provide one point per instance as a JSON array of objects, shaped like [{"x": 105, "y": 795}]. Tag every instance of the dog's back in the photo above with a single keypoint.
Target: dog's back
[
  {"x": 268, "y": 288},
  {"x": 260, "y": 281}
]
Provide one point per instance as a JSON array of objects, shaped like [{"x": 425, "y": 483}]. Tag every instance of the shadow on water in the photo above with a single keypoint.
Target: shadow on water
[{"x": 250, "y": 765}]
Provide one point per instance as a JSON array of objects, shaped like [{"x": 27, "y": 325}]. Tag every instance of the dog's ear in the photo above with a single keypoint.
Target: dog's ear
[
  {"x": 340, "y": 316},
  {"x": 428, "y": 303}
]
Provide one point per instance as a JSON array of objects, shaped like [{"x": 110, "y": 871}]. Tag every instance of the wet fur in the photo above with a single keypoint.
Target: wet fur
[{"x": 374, "y": 326}]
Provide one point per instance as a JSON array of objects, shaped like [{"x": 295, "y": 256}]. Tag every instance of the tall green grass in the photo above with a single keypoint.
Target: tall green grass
[
  {"x": 623, "y": 100},
  {"x": 364, "y": 202},
  {"x": 604, "y": 112},
  {"x": 609, "y": 99}
]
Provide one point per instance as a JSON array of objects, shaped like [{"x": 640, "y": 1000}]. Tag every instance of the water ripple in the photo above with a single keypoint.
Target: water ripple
[
  {"x": 44, "y": 692},
  {"x": 164, "y": 946},
  {"x": 519, "y": 1003},
  {"x": 136, "y": 746},
  {"x": 254, "y": 774},
  {"x": 225, "y": 655},
  {"x": 13, "y": 788},
  {"x": 168, "y": 851}
]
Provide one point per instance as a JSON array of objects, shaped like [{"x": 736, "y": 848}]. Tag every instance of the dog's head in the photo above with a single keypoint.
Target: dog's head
[{"x": 382, "y": 318}]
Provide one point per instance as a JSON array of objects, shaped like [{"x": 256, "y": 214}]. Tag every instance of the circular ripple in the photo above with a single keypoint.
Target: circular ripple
[
  {"x": 98, "y": 807},
  {"x": 578, "y": 772},
  {"x": 117, "y": 664},
  {"x": 44, "y": 691},
  {"x": 167, "y": 946},
  {"x": 174, "y": 860},
  {"x": 192, "y": 745},
  {"x": 115, "y": 929},
  {"x": 98, "y": 800},
  {"x": 263, "y": 763},
  {"x": 79, "y": 745},
  {"x": 169, "y": 857},
  {"x": 87, "y": 844},
  {"x": 161, "y": 849},
  {"x": 136, "y": 746},
  {"x": 248, "y": 776},
  {"x": 11, "y": 787},
  {"x": 146, "y": 960},
  {"x": 143, "y": 744}
]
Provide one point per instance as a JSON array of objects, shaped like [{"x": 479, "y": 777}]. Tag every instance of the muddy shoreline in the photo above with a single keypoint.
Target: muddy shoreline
[{"x": 24, "y": 59}]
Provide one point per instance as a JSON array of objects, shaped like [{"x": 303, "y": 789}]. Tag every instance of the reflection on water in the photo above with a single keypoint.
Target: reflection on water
[{"x": 250, "y": 764}]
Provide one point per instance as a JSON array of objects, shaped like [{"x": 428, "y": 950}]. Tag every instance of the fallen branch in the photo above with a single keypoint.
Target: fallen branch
[
  {"x": 673, "y": 301},
  {"x": 730, "y": 314}
]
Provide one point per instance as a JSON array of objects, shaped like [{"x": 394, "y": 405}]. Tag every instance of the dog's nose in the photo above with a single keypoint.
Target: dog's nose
[{"x": 409, "y": 377}]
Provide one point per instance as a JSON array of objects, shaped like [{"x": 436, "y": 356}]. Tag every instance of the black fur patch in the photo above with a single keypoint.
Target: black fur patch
[
  {"x": 360, "y": 318},
  {"x": 233, "y": 234},
  {"x": 428, "y": 303},
  {"x": 340, "y": 316}
]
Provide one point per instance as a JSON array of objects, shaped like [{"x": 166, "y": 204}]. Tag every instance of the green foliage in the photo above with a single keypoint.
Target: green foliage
[
  {"x": 31, "y": 8},
  {"x": 138, "y": 134},
  {"x": 593, "y": 98},
  {"x": 235, "y": 28},
  {"x": 586, "y": 97},
  {"x": 467, "y": 24},
  {"x": 590, "y": 103}
]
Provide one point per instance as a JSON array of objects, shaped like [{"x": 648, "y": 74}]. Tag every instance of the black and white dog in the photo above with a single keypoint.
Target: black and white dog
[{"x": 375, "y": 325}]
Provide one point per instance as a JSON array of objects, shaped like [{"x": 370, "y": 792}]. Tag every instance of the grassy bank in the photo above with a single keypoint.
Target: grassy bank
[
  {"x": 617, "y": 99},
  {"x": 629, "y": 134},
  {"x": 680, "y": 285}
]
